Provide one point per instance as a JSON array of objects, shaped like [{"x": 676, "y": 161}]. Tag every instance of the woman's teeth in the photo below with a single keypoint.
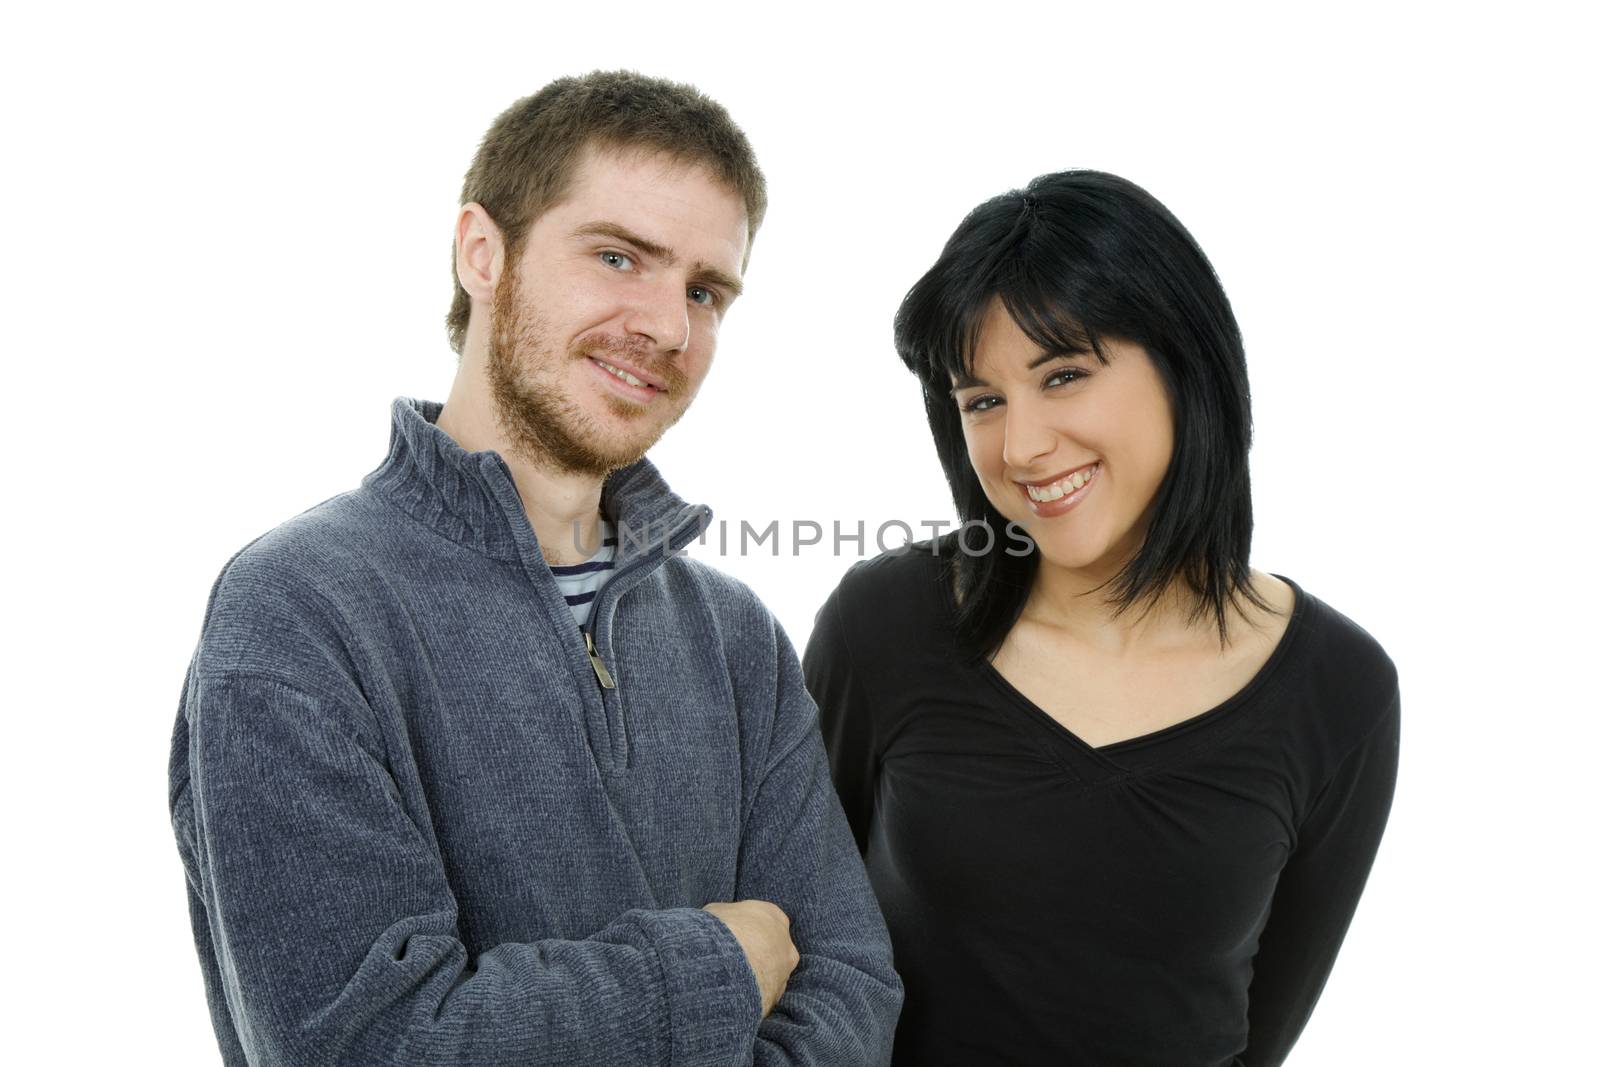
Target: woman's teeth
[{"x": 1056, "y": 490}]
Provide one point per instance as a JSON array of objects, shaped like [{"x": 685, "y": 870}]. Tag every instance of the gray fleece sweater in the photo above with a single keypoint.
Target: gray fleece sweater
[{"x": 423, "y": 823}]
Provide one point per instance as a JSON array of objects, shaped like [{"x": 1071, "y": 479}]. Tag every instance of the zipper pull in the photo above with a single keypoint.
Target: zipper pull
[{"x": 602, "y": 675}]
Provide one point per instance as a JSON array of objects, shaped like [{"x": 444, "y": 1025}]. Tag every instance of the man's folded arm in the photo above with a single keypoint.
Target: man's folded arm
[
  {"x": 336, "y": 930},
  {"x": 843, "y": 998}
]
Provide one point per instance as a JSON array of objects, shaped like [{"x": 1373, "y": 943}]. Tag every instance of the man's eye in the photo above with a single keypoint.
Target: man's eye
[
  {"x": 702, "y": 296},
  {"x": 617, "y": 260}
]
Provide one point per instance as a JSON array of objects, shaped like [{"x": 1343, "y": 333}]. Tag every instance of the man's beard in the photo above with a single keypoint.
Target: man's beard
[{"x": 544, "y": 426}]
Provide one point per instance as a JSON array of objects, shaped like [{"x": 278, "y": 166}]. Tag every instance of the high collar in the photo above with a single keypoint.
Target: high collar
[{"x": 470, "y": 497}]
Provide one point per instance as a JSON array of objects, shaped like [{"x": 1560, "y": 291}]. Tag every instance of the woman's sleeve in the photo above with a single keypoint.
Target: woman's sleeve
[
  {"x": 844, "y": 717},
  {"x": 1318, "y": 890}
]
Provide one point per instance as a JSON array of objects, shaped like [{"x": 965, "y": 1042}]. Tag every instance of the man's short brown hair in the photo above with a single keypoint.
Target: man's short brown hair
[{"x": 525, "y": 163}]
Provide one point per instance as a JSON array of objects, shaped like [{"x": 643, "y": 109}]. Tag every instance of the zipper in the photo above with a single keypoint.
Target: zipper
[
  {"x": 601, "y": 675},
  {"x": 674, "y": 541}
]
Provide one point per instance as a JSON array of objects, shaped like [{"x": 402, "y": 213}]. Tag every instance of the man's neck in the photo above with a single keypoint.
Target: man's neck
[{"x": 562, "y": 507}]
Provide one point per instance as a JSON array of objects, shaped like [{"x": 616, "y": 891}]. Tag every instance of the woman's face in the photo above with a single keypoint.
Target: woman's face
[{"x": 1071, "y": 449}]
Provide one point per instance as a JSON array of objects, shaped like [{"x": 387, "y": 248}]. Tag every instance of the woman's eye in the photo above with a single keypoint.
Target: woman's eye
[
  {"x": 699, "y": 294},
  {"x": 979, "y": 404},
  {"x": 1063, "y": 376},
  {"x": 617, "y": 260}
]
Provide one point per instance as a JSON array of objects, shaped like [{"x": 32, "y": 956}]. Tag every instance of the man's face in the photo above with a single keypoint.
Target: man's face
[{"x": 605, "y": 325}]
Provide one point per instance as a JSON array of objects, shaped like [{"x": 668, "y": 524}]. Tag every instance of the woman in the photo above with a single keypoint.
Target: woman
[{"x": 1117, "y": 792}]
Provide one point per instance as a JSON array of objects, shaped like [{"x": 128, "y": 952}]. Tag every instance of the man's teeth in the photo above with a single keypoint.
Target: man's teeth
[
  {"x": 620, "y": 373},
  {"x": 1057, "y": 490}
]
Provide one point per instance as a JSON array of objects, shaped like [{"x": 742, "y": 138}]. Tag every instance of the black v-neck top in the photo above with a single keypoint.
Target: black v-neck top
[{"x": 1172, "y": 899}]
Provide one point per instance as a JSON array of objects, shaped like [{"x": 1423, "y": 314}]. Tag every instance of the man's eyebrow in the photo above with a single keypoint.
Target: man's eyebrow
[
  {"x": 627, "y": 236},
  {"x": 702, "y": 272},
  {"x": 705, "y": 272}
]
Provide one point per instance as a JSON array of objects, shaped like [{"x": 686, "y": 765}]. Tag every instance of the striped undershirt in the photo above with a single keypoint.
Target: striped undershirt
[{"x": 580, "y": 582}]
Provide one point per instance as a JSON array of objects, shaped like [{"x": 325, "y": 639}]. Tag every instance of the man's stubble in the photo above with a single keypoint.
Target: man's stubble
[{"x": 540, "y": 423}]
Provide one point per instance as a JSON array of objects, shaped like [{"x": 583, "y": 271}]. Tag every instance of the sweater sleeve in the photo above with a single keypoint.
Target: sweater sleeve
[
  {"x": 1318, "y": 890},
  {"x": 844, "y": 996},
  {"x": 845, "y": 719},
  {"x": 336, "y": 932}
]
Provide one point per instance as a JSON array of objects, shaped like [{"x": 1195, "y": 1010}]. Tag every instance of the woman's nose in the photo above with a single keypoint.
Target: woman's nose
[{"x": 1028, "y": 435}]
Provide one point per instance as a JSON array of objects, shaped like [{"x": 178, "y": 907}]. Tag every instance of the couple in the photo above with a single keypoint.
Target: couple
[{"x": 449, "y": 789}]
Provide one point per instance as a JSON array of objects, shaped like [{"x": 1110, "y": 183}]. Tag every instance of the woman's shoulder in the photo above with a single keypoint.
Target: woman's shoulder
[
  {"x": 892, "y": 595},
  {"x": 1339, "y": 661},
  {"x": 1340, "y": 637},
  {"x": 912, "y": 569},
  {"x": 906, "y": 567}
]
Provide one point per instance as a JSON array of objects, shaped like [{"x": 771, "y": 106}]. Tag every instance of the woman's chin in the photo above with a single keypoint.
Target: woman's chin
[
  {"x": 1069, "y": 560},
  {"x": 1079, "y": 554}
]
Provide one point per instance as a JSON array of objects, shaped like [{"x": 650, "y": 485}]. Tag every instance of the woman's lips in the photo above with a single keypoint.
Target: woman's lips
[{"x": 1061, "y": 492}]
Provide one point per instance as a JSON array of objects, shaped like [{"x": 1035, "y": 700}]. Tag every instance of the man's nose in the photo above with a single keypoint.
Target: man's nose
[{"x": 660, "y": 312}]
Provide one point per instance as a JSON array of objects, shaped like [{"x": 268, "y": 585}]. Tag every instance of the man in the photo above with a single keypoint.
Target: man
[{"x": 434, "y": 809}]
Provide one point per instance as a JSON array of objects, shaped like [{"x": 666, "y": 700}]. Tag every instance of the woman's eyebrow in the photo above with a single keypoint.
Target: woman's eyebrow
[
  {"x": 1060, "y": 353},
  {"x": 964, "y": 380}
]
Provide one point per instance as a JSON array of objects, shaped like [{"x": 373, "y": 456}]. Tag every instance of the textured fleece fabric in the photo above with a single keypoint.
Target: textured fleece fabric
[{"x": 417, "y": 829}]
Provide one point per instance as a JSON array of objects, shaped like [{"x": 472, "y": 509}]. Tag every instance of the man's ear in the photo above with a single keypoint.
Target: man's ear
[{"x": 480, "y": 252}]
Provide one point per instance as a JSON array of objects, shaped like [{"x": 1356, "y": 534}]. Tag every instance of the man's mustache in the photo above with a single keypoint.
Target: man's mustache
[{"x": 635, "y": 352}]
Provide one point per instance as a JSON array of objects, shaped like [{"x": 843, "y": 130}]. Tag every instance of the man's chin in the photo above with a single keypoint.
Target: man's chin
[
  {"x": 616, "y": 435},
  {"x": 632, "y": 429},
  {"x": 599, "y": 457}
]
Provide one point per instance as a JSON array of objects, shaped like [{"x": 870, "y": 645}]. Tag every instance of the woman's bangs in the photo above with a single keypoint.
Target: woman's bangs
[{"x": 1046, "y": 319}]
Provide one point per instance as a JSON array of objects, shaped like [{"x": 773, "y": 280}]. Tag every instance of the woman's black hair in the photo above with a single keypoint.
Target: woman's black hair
[{"x": 1076, "y": 257}]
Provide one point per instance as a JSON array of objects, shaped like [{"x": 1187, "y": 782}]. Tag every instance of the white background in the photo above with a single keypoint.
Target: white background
[{"x": 228, "y": 251}]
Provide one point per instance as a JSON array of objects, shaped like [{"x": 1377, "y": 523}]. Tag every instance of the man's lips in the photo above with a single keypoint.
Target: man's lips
[{"x": 608, "y": 360}]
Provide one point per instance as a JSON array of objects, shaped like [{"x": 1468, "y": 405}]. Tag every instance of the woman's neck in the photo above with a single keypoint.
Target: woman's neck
[{"x": 1079, "y": 604}]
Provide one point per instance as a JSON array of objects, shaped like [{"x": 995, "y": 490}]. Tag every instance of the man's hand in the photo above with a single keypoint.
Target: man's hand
[{"x": 762, "y": 930}]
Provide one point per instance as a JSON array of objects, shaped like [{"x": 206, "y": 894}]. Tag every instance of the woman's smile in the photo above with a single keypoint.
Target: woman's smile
[{"x": 1060, "y": 493}]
